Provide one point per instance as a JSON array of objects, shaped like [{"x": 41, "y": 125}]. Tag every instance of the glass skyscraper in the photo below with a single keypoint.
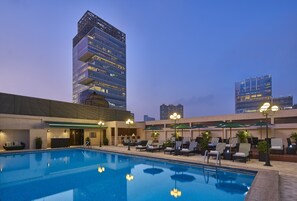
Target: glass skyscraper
[
  {"x": 251, "y": 93},
  {"x": 99, "y": 61}
]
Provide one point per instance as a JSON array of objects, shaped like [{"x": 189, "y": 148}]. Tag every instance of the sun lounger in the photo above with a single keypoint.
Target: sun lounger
[
  {"x": 243, "y": 152},
  {"x": 232, "y": 143},
  {"x": 215, "y": 153},
  {"x": 155, "y": 147},
  {"x": 214, "y": 141},
  {"x": 192, "y": 149},
  {"x": 143, "y": 147},
  {"x": 176, "y": 148}
]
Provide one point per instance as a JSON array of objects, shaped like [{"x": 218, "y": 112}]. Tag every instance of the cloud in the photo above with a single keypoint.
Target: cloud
[{"x": 207, "y": 100}]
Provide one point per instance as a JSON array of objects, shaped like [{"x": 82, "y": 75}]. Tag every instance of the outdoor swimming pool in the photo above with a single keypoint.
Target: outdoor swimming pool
[{"x": 87, "y": 175}]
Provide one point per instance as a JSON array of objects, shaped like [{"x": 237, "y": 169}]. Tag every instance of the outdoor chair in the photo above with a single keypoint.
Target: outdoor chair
[
  {"x": 215, "y": 153},
  {"x": 192, "y": 149},
  {"x": 176, "y": 148},
  {"x": 232, "y": 143},
  {"x": 9, "y": 146},
  {"x": 143, "y": 147},
  {"x": 214, "y": 141},
  {"x": 277, "y": 146},
  {"x": 243, "y": 152}
]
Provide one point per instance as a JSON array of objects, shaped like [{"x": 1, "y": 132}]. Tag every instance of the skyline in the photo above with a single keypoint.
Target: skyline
[{"x": 177, "y": 53}]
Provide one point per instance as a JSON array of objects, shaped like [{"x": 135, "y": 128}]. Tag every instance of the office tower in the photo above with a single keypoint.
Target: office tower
[
  {"x": 99, "y": 62},
  {"x": 167, "y": 110},
  {"x": 284, "y": 103},
  {"x": 148, "y": 118},
  {"x": 251, "y": 93}
]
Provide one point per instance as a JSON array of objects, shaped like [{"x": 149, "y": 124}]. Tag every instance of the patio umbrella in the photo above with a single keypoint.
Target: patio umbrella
[
  {"x": 230, "y": 125},
  {"x": 199, "y": 126},
  {"x": 182, "y": 127},
  {"x": 261, "y": 124}
]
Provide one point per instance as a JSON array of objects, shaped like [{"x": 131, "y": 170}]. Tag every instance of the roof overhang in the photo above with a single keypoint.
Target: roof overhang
[{"x": 72, "y": 125}]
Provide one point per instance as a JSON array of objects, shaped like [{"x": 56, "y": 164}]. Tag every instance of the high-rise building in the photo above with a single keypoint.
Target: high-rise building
[
  {"x": 99, "y": 62},
  {"x": 251, "y": 93},
  {"x": 284, "y": 103},
  {"x": 148, "y": 118},
  {"x": 167, "y": 110}
]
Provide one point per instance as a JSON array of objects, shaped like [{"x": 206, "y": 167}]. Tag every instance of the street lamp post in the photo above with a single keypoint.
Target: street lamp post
[
  {"x": 129, "y": 122},
  {"x": 175, "y": 117},
  {"x": 268, "y": 110},
  {"x": 100, "y": 124}
]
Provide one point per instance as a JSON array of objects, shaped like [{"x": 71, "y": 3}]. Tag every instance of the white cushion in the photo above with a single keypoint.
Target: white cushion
[
  {"x": 277, "y": 147},
  {"x": 185, "y": 149},
  {"x": 150, "y": 146},
  {"x": 168, "y": 148},
  {"x": 16, "y": 143},
  {"x": 213, "y": 152},
  {"x": 9, "y": 144},
  {"x": 239, "y": 154}
]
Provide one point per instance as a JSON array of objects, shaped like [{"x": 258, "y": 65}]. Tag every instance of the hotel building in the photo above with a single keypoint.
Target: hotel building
[{"x": 99, "y": 62}]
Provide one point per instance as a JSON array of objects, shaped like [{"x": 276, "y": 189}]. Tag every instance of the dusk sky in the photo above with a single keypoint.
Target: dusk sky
[{"x": 178, "y": 51}]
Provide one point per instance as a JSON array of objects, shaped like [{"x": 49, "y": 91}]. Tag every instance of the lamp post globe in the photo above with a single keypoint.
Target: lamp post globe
[
  {"x": 267, "y": 110},
  {"x": 129, "y": 122},
  {"x": 175, "y": 117},
  {"x": 100, "y": 124}
]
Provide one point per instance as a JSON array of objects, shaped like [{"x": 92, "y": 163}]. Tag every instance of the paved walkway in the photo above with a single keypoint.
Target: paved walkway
[{"x": 287, "y": 170}]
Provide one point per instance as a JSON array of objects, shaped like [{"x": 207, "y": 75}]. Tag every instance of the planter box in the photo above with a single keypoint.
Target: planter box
[{"x": 262, "y": 156}]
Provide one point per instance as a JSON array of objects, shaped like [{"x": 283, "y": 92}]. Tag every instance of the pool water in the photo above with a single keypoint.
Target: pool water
[{"x": 88, "y": 175}]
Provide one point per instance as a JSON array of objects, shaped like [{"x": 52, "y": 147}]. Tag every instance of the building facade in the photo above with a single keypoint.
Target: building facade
[
  {"x": 99, "y": 61},
  {"x": 167, "y": 110},
  {"x": 148, "y": 118},
  {"x": 284, "y": 103},
  {"x": 251, "y": 93}
]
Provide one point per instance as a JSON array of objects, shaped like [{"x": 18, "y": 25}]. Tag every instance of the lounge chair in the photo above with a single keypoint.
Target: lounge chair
[
  {"x": 143, "y": 147},
  {"x": 214, "y": 141},
  {"x": 243, "y": 152},
  {"x": 232, "y": 143},
  {"x": 9, "y": 146},
  {"x": 155, "y": 147},
  {"x": 176, "y": 148},
  {"x": 277, "y": 146},
  {"x": 192, "y": 149},
  {"x": 215, "y": 153}
]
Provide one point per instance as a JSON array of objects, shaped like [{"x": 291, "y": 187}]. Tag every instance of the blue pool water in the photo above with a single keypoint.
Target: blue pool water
[{"x": 86, "y": 175}]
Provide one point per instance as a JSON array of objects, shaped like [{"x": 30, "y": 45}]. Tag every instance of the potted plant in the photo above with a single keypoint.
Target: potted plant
[
  {"x": 294, "y": 136},
  {"x": 243, "y": 136},
  {"x": 105, "y": 141},
  {"x": 155, "y": 136},
  {"x": 168, "y": 143},
  {"x": 262, "y": 149},
  {"x": 204, "y": 142},
  {"x": 38, "y": 142},
  {"x": 88, "y": 141}
]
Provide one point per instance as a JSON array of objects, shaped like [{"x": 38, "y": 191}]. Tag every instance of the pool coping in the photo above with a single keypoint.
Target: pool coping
[{"x": 265, "y": 186}]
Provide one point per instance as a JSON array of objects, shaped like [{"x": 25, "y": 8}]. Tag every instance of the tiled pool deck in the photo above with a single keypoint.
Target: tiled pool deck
[{"x": 267, "y": 185}]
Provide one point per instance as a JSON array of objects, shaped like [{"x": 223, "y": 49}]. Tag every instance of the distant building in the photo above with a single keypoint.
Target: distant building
[
  {"x": 167, "y": 110},
  {"x": 284, "y": 103},
  {"x": 251, "y": 93},
  {"x": 147, "y": 118},
  {"x": 295, "y": 106},
  {"x": 99, "y": 62}
]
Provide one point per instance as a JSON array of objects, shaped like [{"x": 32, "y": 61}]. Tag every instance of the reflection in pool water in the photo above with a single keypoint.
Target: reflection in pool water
[{"x": 80, "y": 175}]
